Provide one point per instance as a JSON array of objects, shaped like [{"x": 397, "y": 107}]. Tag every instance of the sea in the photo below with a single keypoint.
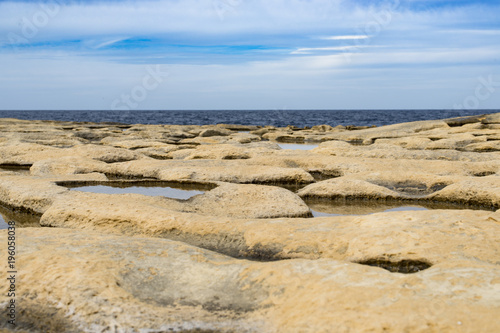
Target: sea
[{"x": 278, "y": 118}]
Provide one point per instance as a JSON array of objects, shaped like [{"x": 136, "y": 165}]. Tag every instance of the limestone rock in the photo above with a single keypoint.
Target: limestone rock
[
  {"x": 206, "y": 140},
  {"x": 118, "y": 287},
  {"x": 69, "y": 165},
  {"x": 158, "y": 153},
  {"x": 91, "y": 135},
  {"x": 215, "y": 132},
  {"x": 472, "y": 191},
  {"x": 262, "y": 131},
  {"x": 226, "y": 171},
  {"x": 455, "y": 141},
  {"x": 106, "y": 154},
  {"x": 322, "y": 128},
  {"x": 130, "y": 262},
  {"x": 347, "y": 189},
  {"x": 152, "y": 284},
  {"x": 437, "y": 236},
  {"x": 492, "y": 119},
  {"x": 14, "y": 152},
  {"x": 27, "y": 194},
  {"x": 249, "y": 201},
  {"x": 283, "y": 137},
  {"x": 411, "y": 143},
  {"x": 224, "y": 151},
  {"x": 461, "y": 121},
  {"x": 484, "y": 191},
  {"x": 240, "y": 128},
  {"x": 134, "y": 143},
  {"x": 391, "y": 131},
  {"x": 384, "y": 150},
  {"x": 483, "y": 146},
  {"x": 35, "y": 195},
  {"x": 245, "y": 138},
  {"x": 216, "y": 152}
]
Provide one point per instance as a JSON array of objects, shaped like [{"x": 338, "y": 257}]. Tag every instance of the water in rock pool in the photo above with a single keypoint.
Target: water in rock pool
[
  {"x": 401, "y": 208},
  {"x": 321, "y": 208},
  {"x": 3, "y": 223},
  {"x": 297, "y": 146},
  {"x": 168, "y": 192},
  {"x": 279, "y": 118},
  {"x": 23, "y": 220},
  {"x": 18, "y": 169}
]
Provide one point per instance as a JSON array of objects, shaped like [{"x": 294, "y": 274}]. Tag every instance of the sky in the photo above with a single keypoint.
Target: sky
[{"x": 249, "y": 54}]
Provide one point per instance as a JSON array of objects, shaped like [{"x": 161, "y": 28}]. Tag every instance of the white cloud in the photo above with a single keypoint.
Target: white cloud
[
  {"x": 347, "y": 37},
  {"x": 310, "y": 50},
  {"x": 293, "y": 67},
  {"x": 106, "y": 43}
]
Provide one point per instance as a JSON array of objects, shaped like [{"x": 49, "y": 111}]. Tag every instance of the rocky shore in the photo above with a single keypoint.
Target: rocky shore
[{"x": 250, "y": 253}]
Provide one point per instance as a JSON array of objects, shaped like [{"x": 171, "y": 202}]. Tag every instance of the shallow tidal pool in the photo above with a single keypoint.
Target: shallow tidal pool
[
  {"x": 23, "y": 170},
  {"x": 3, "y": 223},
  {"x": 321, "y": 208},
  {"x": 340, "y": 212},
  {"x": 23, "y": 220},
  {"x": 297, "y": 146},
  {"x": 169, "y": 192}
]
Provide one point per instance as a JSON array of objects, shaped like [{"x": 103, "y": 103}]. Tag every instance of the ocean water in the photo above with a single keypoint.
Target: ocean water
[{"x": 279, "y": 118}]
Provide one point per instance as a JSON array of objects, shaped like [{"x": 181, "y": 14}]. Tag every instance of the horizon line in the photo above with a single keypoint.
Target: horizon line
[{"x": 282, "y": 110}]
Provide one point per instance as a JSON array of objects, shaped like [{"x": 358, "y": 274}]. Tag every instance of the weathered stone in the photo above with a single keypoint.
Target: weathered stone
[
  {"x": 160, "y": 153},
  {"x": 347, "y": 189},
  {"x": 249, "y": 201},
  {"x": 485, "y": 146},
  {"x": 391, "y": 151},
  {"x": 217, "y": 152},
  {"x": 391, "y": 131},
  {"x": 475, "y": 191},
  {"x": 70, "y": 165},
  {"x": 455, "y": 142},
  {"x": 35, "y": 194},
  {"x": 228, "y": 171},
  {"x": 96, "y": 280},
  {"x": 141, "y": 283},
  {"x": 433, "y": 235},
  {"x": 241, "y": 128},
  {"x": 245, "y": 137},
  {"x": 215, "y": 132},
  {"x": 461, "y": 121},
  {"x": 483, "y": 191},
  {"x": 14, "y": 152},
  {"x": 322, "y": 128},
  {"x": 492, "y": 119},
  {"x": 412, "y": 143},
  {"x": 106, "y": 154},
  {"x": 91, "y": 135},
  {"x": 133, "y": 143},
  {"x": 283, "y": 137},
  {"x": 262, "y": 131}
]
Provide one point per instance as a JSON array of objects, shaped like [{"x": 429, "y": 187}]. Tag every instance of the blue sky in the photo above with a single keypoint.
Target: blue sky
[{"x": 249, "y": 54}]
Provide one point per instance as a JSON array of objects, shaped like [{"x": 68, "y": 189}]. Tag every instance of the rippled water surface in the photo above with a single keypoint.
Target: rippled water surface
[
  {"x": 168, "y": 192},
  {"x": 280, "y": 118},
  {"x": 295, "y": 146},
  {"x": 320, "y": 208},
  {"x": 23, "y": 220}
]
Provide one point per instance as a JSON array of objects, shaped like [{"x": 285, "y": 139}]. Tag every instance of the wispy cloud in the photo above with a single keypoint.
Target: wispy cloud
[
  {"x": 101, "y": 44},
  {"x": 347, "y": 37},
  {"x": 310, "y": 50},
  {"x": 291, "y": 46}
]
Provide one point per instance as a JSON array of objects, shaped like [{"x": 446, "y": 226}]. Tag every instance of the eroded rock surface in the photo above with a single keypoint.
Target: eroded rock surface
[
  {"x": 100, "y": 283},
  {"x": 131, "y": 262}
]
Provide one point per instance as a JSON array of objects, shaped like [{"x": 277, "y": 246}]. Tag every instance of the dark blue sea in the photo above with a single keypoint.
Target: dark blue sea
[{"x": 279, "y": 118}]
